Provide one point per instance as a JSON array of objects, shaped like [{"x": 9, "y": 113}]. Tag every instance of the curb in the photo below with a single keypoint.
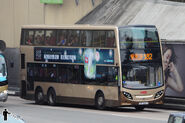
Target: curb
[{"x": 170, "y": 106}]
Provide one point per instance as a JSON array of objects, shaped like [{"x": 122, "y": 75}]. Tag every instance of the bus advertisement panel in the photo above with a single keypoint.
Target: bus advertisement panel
[
  {"x": 73, "y": 55},
  {"x": 173, "y": 64}
]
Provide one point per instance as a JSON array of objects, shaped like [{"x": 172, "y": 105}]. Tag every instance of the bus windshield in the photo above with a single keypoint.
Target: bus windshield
[
  {"x": 140, "y": 57},
  {"x": 138, "y": 37},
  {"x": 138, "y": 76},
  {"x": 3, "y": 71}
]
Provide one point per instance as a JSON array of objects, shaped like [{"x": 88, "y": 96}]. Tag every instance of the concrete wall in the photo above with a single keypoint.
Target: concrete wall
[
  {"x": 15, "y": 13},
  {"x": 13, "y": 58},
  {"x": 169, "y": 17},
  {"x": 69, "y": 12}
]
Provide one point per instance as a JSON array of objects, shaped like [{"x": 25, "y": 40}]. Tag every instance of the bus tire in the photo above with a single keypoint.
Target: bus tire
[
  {"x": 100, "y": 101},
  {"x": 139, "y": 108},
  {"x": 51, "y": 97},
  {"x": 39, "y": 96}
]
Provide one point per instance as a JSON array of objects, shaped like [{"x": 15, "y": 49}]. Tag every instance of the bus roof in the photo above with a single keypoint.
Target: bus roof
[
  {"x": 79, "y": 26},
  {"x": 146, "y": 26}
]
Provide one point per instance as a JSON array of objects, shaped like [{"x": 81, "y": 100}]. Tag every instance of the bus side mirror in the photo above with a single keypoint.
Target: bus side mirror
[{"x": 2, "y": 45}]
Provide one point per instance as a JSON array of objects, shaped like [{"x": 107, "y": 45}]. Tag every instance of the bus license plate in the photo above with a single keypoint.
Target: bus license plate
[{"x": 143, "y": 103}]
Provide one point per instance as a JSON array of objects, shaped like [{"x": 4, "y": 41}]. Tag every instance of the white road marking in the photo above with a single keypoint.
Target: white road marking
[
  {"x": 140, "y": 117},
  {"x": 120, "y": 114}
]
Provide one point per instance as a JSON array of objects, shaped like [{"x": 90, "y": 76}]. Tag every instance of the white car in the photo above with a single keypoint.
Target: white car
[{"x": 177, "y": 117}]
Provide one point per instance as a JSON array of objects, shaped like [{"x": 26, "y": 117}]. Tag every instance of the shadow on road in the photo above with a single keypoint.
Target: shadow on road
[{"x": 114, "y": 109}]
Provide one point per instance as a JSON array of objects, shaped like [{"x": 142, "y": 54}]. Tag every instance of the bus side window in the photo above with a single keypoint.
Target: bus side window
[
  {"x": 75, "y": 74},
  {"x": 50, "y": 38},
  {"x": 102, "y": 38},
  {"x": 88, "y": 35},
  {"x": 24, "y": 37},
  {"x": 113, "y": 74},
  {"x": 96, "y": 39},
  {"x": 29, "y": 37},
  {"x": 99, "y": 38},
  {"x": 30, "y": 40},
  {"x": 22, "y": 61},
  {"x": 30, "y": 76},
  {"x": 110, "y": 39},
  {"x": 38, "y": 37},
  {"x": 100, "y": 74},
  {"x": 69, "y": 38},
  {"x": 62, "y": 41},
  {"x": 52, "y": 72},
  {"x": 62, "y": 73},
  {"x": 82, "y": 38}
]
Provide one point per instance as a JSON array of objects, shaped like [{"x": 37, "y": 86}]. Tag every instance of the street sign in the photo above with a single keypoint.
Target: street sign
[{"x": 52, "y": 1}]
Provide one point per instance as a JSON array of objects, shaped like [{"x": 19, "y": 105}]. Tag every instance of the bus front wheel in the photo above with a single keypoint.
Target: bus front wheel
[
  {"x": 51, "y": 97},
  {"x": 100, "y": 101},
  {"x": 39, "y": 96}
]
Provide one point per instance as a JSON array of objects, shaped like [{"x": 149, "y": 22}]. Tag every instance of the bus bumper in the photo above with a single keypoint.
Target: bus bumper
[{"x": 4, "y": 95}]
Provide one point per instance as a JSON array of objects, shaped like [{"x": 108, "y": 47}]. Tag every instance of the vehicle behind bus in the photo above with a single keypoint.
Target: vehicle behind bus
[{"x": 3, "y": 74}]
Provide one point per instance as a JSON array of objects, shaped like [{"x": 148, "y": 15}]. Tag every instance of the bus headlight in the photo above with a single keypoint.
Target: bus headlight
[
  {"x": 128, "y": 95},
  {"x": 158, "y": 94},
  {"x": 3, "y": 95},
  {"x": 4, "y": 92}
]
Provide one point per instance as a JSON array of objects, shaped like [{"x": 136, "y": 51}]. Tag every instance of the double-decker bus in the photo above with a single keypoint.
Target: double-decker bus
[
  {"x": 3, "y": 74},
  {"x": 105, "y": 66}
]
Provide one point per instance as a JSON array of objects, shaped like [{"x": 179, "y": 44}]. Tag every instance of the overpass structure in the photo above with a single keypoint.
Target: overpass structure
[{"x": 169, "y": 17}]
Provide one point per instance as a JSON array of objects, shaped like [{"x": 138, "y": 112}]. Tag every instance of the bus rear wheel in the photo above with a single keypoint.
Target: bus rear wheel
[
  {"x": 139, "y": 108},
  {"x": 39, "y": 96},
  {"x": 100, "y": 101},
  {"x": 51, "y": 97}
]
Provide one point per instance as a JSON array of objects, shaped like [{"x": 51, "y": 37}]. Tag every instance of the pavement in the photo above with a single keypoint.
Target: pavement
[{"x": 172, "y": 103}]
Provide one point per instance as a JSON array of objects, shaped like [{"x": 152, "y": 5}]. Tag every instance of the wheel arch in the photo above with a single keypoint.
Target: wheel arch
[
  {"x": 51, "y": 89},
  {"x": 38, "y": 88},
  {"x": 102, "y": 105},
  {"x": 37, "y": 100},
  {"x": 99, "y": 91}
]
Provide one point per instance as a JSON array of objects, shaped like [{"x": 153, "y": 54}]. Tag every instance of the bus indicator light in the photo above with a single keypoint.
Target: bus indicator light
[
  {"x": 143, "y": 92},
  {"x": 86, "y": 59}
]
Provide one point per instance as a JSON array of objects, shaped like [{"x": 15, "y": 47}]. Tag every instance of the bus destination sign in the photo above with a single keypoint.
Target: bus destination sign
[{"x": 141, "y": 56}]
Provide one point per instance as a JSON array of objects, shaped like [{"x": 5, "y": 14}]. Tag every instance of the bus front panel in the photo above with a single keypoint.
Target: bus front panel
[
  {"x": 141, "y": 66},
  {"x": 3, "y": 79}
]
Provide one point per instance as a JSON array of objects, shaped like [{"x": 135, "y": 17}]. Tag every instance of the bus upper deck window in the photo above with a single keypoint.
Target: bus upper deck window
[
  {"x": 110, "y": 39},
  {"x": 50, "y": 38}
]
